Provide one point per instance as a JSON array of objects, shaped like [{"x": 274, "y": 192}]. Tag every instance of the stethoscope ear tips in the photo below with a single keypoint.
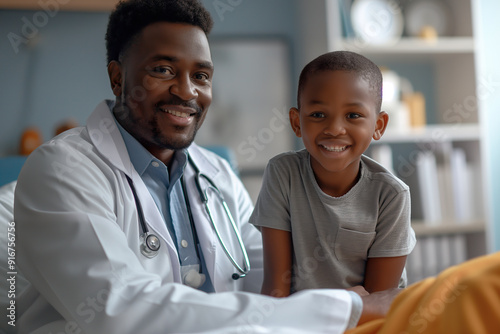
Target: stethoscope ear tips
[{"x": 236, "y": 276}]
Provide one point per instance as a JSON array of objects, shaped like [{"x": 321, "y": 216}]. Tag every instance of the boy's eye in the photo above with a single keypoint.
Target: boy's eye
[
  {"x": 317, "y": 115},
  {"x": 353, "y": 115}
]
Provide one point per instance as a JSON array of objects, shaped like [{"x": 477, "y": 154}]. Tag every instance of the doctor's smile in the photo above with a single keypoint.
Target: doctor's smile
[{"x": 179, "y": 113}]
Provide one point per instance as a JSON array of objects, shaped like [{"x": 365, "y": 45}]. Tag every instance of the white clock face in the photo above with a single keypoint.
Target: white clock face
[{"x": 377, "y": 21}]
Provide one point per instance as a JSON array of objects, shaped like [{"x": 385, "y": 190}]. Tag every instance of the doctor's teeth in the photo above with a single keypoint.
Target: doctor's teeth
[
  {"x": 335, "y": 149},
  {"x": 177, "y": 113}
]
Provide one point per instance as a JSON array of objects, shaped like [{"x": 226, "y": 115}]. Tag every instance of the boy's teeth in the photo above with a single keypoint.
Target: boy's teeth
[{"x": 335, "y": 149}]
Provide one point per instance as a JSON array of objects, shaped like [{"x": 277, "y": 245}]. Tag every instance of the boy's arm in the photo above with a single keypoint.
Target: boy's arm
[
  {"x": 277, "y": 262},
  {"x": 383, "y": 273}
]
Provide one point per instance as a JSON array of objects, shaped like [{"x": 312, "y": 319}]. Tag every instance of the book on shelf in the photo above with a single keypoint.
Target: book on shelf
[
  {"x": 433, "y": 254},
  {"x": 461, "y": 173},
  {"x": 415, "y": 264},
  {"x": 430, "y": 198},
  {"x": 345, "y": 16},
  {"x": 383, "y": 155},
  {"x": 429, "y": 247},
  {"x": 445, "y": 187}
]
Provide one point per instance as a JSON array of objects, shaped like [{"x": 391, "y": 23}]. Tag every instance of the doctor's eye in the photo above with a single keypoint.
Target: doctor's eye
[
  {"x": 202, "y": 76},
  {"x": 161, "y": 71}
]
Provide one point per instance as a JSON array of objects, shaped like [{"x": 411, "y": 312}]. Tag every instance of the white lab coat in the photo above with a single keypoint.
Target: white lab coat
[{"x": 78, "y": 244}]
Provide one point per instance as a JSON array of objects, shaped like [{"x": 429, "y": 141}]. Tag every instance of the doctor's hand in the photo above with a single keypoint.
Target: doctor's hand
[{"x": 376, "y": 305}]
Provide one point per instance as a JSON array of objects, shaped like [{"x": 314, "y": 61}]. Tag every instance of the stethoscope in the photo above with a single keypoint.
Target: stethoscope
[{"x": 150, "y": 243}]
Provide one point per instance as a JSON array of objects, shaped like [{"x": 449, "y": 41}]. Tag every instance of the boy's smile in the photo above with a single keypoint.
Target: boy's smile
[{"x": 337, "y": 121}]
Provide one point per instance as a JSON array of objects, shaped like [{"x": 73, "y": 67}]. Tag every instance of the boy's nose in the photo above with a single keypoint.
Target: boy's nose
[{"x": 335, "y": 128}]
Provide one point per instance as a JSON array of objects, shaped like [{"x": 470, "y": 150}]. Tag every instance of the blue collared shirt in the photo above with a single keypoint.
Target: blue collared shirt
[{"x": 166, "y": 190}]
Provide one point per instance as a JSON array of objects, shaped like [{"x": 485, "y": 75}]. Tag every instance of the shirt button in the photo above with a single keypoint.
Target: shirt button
[
  {"x": 155, "y": 164},
  {"x": 184, "y": 243}
]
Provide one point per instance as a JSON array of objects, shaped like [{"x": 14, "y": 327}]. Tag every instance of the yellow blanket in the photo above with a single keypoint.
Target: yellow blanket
[{"x": 462, "y": 299}]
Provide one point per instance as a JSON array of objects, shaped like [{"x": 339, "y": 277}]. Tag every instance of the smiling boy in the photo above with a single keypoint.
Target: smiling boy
[{"x": 331, "y": 217}]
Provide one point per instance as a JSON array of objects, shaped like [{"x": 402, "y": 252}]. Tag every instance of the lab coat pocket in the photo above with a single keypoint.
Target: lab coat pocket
[{"x": 351, "y": 245}]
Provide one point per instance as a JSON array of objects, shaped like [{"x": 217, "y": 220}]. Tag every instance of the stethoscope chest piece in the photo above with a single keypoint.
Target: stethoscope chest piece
[{"x": 150, "y": 245}]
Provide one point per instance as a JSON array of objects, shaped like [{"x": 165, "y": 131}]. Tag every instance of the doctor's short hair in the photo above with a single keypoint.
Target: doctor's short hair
[
  {"x": 131, "y": 16},
  {"x": 344, "y": 61}
]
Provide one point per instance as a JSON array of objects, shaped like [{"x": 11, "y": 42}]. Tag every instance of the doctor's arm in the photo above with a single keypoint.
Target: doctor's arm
[{"x": 72, "y": 248}]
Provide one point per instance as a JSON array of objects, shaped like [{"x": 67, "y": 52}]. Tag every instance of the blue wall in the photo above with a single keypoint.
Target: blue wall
[
  {"x": 486, "y": 26},
  {"x": 61, "y": 73}
]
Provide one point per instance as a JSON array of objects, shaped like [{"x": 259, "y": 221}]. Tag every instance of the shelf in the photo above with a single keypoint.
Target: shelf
[
  {"x": 448, "y": 228},
  {"x": 413, "y": 46},
  {"x": 73, "y": 5},
  {"x": 432, "y": 133}
]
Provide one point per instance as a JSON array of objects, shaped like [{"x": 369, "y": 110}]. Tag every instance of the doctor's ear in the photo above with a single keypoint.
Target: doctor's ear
[
  {"x": 115, "y": 77},
  {"x": 294, "y": 115}
]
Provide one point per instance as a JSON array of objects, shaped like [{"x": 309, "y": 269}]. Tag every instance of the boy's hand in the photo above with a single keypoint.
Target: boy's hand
[
  {"x": 377, "y": 304},
  {"x": 359, "y": 289}
]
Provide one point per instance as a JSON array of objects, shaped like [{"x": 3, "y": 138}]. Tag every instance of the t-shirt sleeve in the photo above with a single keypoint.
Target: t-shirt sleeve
[
  {"x": 394, "y": 234},
  {"x": 272, "y": 207}
]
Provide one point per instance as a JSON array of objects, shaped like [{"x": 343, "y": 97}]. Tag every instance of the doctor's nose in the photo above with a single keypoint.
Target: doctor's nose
[{"x": 184, "y": 88}]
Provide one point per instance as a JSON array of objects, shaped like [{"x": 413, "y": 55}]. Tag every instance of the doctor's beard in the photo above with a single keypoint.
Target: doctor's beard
[{"x": 153, "y": 135}]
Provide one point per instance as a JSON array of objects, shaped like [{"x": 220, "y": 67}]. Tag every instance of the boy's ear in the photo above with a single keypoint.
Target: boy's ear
[
  {"x": 381, "y": 125},
  {"x": 115, "y": 77},
  {"x": 295, "y": 121}
]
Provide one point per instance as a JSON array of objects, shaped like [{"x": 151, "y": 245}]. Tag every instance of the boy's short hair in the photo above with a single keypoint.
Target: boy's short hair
[
  {"x": 131, "y": 16},
  {"x": 344, "y": 61}
]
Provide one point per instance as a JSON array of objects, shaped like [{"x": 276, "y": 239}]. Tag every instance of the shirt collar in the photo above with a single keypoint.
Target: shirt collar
[{"x": 139, "y": 156}]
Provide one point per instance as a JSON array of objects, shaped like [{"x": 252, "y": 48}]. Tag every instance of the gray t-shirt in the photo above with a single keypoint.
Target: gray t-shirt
[{"x": 334, "y": 236}]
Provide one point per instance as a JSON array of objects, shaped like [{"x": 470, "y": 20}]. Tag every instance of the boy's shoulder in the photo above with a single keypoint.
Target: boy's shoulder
[
  {"x": 377, "y": 172},
  {"x": 289, "y": 165},
  {"x": 290, "y": 158}
]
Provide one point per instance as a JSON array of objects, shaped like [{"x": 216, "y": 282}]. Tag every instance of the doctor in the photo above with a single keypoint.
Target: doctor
[{"x": 87, "y": 201}]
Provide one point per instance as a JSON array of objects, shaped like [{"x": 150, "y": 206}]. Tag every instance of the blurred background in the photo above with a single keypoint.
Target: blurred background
[{"x": 441, "y": 89}]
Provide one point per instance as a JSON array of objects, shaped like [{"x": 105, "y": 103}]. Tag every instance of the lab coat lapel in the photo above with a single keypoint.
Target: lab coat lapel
[
  {"x": 107, "y": 139},
  {"x": 206, "y": 234},
  {"x": 155, "y": 221}
]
